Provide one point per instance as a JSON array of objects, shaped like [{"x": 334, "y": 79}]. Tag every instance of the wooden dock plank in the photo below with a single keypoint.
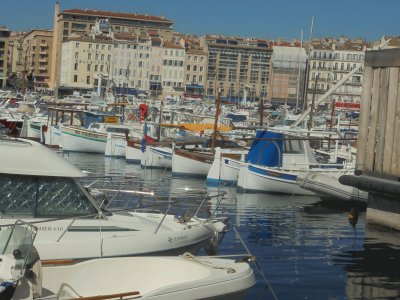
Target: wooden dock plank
[
  {"x": 395, "y": 167},
  {"x": 364, "y": 117},
  {"x": 381, "y": 123},
  {"x": 390, "y": 120},
  {"x": 373, "y": 120}
]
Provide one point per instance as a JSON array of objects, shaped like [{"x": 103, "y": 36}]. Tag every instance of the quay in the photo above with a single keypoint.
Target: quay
[{"x": 378, "y": 156}]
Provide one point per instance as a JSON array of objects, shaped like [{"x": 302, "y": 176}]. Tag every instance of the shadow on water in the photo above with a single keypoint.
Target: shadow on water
[{"x": 373, "y": 272}]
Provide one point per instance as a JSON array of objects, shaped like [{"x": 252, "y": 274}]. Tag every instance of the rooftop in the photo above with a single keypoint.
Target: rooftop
[{"x": 110, "y": 14}]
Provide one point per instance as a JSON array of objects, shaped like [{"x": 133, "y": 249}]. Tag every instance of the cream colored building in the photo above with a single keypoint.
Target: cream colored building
[
  {"x": 195, "y": 71},
  {"x": 330, "y": 61},
  {"x": 37, "y": 52},
  {"x": 84, "y": 61},
  {"x": 172, "y": 69},
  {"x": 131, "y": 61},
  {"x": 4, "y": 38},
  {"x": 82, "y": 21}
]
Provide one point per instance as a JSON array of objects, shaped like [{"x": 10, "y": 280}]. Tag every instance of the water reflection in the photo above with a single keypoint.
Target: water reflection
[
  {"x": 373, "y": 271},
  {"x": 306, "y": 247}
]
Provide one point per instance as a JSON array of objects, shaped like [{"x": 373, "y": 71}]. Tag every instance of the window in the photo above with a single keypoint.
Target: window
[
  {"x": 87, "y": 79},
  {"x": 76, "y": 55},
  {"x": 89, "y": 56},
  {"x": 90, "y": 46},
  {"x": 103, "y": 47},
  {"x": 88, "y": 67},
  {"x": 101, "y": 68},
  {"x": 109, "y": 48},
  {"x": 96, "y": 67},
  {"x": 97, "y": 46},
  {"x": 102, "y": 57},
  {"x": 75, "y": 78},
  {"x": 76, "y": 45},
  {"x": 188, "y": 67},
  {"x": 42, "y": 196},
  {"x": 76, "y": 66}
]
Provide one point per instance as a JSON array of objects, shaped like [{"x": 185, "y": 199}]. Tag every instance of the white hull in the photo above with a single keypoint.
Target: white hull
[
  {"x": 53, "y": 136},
  {"x": 115, "y": 146},
  {"x": 253, "y": 178},
  {"x": 224, "y": 170},
  {"x": 133, "y": 154},
  {"x": 82, "y": 140},
  {"x": 118, "y": 236},
  {"x": 157, "y": 158},
  {"x": 186, "y": 166}
]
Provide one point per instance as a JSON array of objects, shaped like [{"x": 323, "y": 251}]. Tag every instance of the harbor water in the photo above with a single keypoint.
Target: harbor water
[{"x": 305, "y": 248}]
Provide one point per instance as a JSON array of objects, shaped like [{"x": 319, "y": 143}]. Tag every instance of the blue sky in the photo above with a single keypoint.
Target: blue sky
[{"x": 271, "y": 19}]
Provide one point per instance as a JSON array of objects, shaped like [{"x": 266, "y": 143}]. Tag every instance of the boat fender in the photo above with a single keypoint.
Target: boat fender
[{"x": 213, "y": 245}]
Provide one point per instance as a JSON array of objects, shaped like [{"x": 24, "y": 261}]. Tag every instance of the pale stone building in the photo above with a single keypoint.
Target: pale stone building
[
  {"x": 82, "y": 21},
  {"x": 85, "y": 60},
  {"x": 195, "y": 73},
  {"x": 172, "y": 69},
  {"x": 330, "y": 61},
  {"x": 4, "y": 38}
]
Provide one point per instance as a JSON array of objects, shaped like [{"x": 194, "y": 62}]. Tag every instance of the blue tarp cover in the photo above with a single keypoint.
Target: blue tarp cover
[{"x": 266, "y": 152}]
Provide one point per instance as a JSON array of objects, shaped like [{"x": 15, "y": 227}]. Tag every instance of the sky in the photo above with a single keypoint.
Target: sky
[{"x": 269, "y": 19}]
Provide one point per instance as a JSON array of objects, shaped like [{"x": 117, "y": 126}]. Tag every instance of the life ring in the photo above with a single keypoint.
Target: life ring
[{"x": 131, "y": 117}]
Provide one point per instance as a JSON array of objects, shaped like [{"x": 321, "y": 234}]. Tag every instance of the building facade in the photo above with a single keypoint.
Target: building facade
[
  {"x": 82, "y": 21},
  {"x": 4, "y": 38},
  {"x": 172, "y": 69},
  {"x": 37, "y": 52},
  {"x": 85, "y": 61},
  {"x": 195, "y": 72},
  {"x": 287, "y": 76},
  {"x": 236, "y": 64},
  {"x": 330, "y": 61}
]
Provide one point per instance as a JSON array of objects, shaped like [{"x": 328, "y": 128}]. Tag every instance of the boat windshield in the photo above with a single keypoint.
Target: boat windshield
[{"x": 35, "y": 196}]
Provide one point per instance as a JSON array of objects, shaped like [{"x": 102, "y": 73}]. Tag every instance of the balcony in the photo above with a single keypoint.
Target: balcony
[
  {"x": 42, "y": 68},
  {"x": 43, "y": 60}
]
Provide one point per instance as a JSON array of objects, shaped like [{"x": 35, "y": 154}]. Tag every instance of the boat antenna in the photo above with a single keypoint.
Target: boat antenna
[{"x": 256, "y": 264}]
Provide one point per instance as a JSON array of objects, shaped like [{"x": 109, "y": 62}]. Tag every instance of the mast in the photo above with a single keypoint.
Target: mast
[
  {"x": 217, "y": 110},
  {"x": 299, "y": 72},
  {"x": 309, "y": 125},
  {"x": 308, "y": 65}
]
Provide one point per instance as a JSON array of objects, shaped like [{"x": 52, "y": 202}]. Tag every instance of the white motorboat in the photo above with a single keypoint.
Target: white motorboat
[
  {"x": 24, "y": 276},
  {"x": 37, "y": 185}
]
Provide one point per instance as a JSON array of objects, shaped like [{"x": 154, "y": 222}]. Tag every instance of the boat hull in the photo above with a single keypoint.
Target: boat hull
[
  {"x": 253, "y": 178},
  {"x": 188, "y": 164},
  {"x": 81, "y": 140}
]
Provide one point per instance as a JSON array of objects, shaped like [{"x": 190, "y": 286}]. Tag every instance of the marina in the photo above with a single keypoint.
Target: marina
[
  {"x": 139, "y": 162},
  {"x": 306, "y": 247}
]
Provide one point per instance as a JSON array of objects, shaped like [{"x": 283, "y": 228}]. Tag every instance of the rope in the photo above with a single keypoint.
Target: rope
[{"x": 188, "y": 255}]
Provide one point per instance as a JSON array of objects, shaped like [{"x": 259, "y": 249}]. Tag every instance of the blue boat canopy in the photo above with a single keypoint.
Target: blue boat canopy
[{"x": 267, "y": 149}]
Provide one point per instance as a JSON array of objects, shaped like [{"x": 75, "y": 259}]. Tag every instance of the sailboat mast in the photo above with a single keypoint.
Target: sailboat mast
[{"x": 217, "y": 110}]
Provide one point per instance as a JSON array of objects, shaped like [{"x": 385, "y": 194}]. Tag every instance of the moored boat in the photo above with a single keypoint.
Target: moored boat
[
  {"x": 37, "y": 185},
  {"x": 25, "y": 276}
]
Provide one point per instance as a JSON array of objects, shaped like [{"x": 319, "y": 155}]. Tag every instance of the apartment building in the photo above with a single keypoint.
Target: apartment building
[
  {"x": 287, "y": 76},
  {"x": 131, "y": 62},
  {"x": 85, "y": 61},
  {"x": 330, "y": 61},
  {"x": 82, "y": 21},
  {"x": 195, "y": 72},
  {"x": 37, "y": 51},
  {"x": 236, "y": 64},
  {"x": 16, "y": 54},
  {"x": 4, "y": 38},
  {"x": 172, "y": 69}
]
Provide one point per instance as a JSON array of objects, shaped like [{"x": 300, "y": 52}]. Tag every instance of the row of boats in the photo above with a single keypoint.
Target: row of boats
[{"x": 57, "y": 241}]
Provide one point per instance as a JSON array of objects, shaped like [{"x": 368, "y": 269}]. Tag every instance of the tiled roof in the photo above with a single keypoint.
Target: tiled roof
[{"x": 94, "y": 12}]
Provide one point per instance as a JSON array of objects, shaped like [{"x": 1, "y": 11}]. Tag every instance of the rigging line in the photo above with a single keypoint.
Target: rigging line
[{"x": 256, "y": 264}]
